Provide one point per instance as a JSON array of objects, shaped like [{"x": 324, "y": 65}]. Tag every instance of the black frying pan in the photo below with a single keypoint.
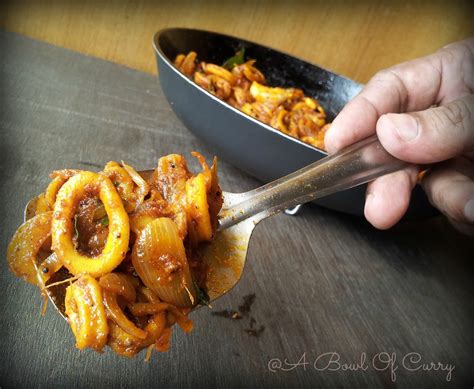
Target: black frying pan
[{"x": 247, "y": 143}]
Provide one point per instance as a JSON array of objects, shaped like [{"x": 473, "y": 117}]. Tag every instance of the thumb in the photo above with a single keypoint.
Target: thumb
[{"x": 429, "y": 136}]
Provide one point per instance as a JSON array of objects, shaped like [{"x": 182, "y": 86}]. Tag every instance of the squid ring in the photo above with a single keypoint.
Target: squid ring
[
  {"x": 86, "y": 313},
  {"x": 75, "y": 189}
]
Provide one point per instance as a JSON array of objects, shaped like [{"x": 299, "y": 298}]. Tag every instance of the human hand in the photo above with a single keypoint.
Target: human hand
[{"x": 423, "y": 113}]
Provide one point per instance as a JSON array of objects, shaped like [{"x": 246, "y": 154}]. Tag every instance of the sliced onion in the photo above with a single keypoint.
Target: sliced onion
[
  {"x": 139, "y": 222},
  {"x": 25, "y": 245},
  {"x": 149, "y": 295},
  {"x": 160, "y": 260},
  {"x": 144, "y": 309},
  {"x": 120, "y": 284},
  {"x": 156, "y": 325},
  {"x": 49, "y": 267},
  {"x": 143, "y": 187},
  {"x": 163, "y": 342},
  {"x": 214, "y": 196},
  {"x": 128, "y": 345},
  {"x": 185, "y": 324},
  {"x": 122, "y": 342},
  {"x": 117, "y": 315}
]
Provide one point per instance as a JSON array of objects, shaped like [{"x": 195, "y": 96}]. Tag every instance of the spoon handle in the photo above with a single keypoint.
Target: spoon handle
[{"x": 355, "y": 165}]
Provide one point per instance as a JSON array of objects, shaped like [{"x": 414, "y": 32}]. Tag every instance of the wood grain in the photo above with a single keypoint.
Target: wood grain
[
  {"x": 323, "y": 281},
  {"x": 352, "y": 38}
]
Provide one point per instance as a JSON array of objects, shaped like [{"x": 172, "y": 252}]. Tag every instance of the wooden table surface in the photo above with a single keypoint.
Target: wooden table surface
[
  {"x": 324, "y": 282},
  {"x": 352, "y": 38}
]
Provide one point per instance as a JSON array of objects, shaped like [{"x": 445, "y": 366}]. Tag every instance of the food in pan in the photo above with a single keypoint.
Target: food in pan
[
  {"x": 242, "y": 85},
  {"x": 129, "y": 246}
]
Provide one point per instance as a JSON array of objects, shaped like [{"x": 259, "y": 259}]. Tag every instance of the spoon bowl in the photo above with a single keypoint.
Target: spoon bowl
[{"x": 225, "y": 256}]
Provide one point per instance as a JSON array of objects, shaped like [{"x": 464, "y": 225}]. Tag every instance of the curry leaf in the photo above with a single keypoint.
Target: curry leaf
[
  {"x": 202, "y": 296},
  {"x": 237, "y": 59},
  {"x": 105, "y": 221}
]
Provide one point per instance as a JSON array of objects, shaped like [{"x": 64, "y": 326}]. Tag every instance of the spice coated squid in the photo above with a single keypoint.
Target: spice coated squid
[
  {"x": 244, "y": 87},
  {"x": 131, "y": 246}
]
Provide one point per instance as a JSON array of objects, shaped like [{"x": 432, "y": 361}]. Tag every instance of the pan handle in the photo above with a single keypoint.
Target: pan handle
[{"x": 355, "y": 165}]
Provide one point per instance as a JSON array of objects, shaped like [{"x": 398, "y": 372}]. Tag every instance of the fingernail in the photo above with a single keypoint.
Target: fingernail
[
  {"x": 406, "y": 127},
  {"x": 469, "y": 211}
]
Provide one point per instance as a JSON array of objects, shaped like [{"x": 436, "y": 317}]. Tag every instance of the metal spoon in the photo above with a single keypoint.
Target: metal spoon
[{"x": 225, "y": 256}]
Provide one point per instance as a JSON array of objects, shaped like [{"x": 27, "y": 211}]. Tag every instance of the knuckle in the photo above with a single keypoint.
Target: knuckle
[
  {"x": 449, "y": 126},
  {"x": 450, "y": 53},
  {"x": 440, "y": 199},
  {"x": 431, "y": 184},
  {"x": 455, "y": 113},
  {"x": 436, "y": 200},
  {"x": 391, "y": 80},
  {"x": 384, "y": 77},
  {"x": 454, "y": 51},
  {"x": 446, "y": 190},
  {"x": 380, "y": 76},
  {"x": 401, "y": 88},
  {"x": 458, "y": 115},
  {"x": 460, "y": 55}
]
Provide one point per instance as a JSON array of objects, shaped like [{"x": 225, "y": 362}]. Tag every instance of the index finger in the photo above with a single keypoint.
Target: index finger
[{"x": 410, "y": 86}]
